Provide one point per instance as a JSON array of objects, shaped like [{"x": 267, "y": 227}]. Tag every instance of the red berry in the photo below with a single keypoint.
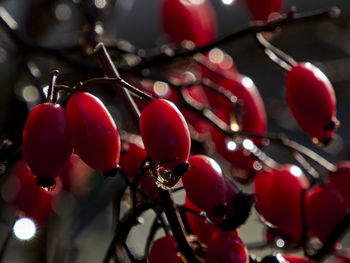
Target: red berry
[
  {"x": 262, "y": 9},
  {"x": 203, "y": 177},
  {"x": 164, "y": 250},
  {"x": 94, "y": 132},
  {"x": 199, "y": 226},
  {"x": 46, "y": 142},
  {"x": 165, "y": 133},
  {"x": 324, "y": 208},
  {"x": 279, "y": 198},
  {"x": 242, "y": 162},
  {"x": 35, "y": 202},
  {"x": 132, "y": 156},
  {"x": 217, "y": 64},
  {"x": 189, "y": 20},
  {"x": 340, "y": 180},
  {"x": 312, "y": 101},
  {"x": 226, "y": 247},
  {"x": 75, "y": 175}
]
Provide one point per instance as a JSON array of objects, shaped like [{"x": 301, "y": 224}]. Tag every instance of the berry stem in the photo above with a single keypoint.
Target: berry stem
[
  {"x": 125, "y": 224},
  {"x": 112, "y": 72},
  {"x": 51, "y": 91},
  {"x": 275, "y": 54},
  {"x": 122, "y": 84},
  {"x": 177, "y": 228}
]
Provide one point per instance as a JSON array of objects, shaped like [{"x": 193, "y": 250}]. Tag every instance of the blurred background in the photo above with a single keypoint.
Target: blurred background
[{"x": 324, "y": 43}]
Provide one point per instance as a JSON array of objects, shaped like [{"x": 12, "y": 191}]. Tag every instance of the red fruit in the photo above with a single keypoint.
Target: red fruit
[
  {"x": 95, "y": 135},
  {"x": 203, "y": 177},
  {"x": 132, "y": 156},
  {"x": 164, "y": 250},
  {"x": 340, "y": 180},
  {"x": 297, "y": 259},
  {"x": 199, "y": 226},
  {"x": 324, "y": 208},
  {"x": 262, "y": 9},
  {"x": 217, "y": 64},
  {"x": 311, "y": 99},
  {"x": 75, "y": 175},
  {"x": 165, "y": 133},
  {"x": 226, "y": 247},
  {"x": 189, "y": 20},
  {"x": 279, "y": 197},
  {"x": 46, "y": 142},
  {"x": 253, "y": 117},
  {"x": 242, "y": 162},
  {"x": 35, "y": 202}
]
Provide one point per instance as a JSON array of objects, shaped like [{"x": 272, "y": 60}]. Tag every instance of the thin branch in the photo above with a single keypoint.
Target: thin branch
[
  {"x": 121, "y": 84},
  {"x": 273, "y": 52},
  {"x": 111, "y": 72},
  {"x": 252, "y": 28}
]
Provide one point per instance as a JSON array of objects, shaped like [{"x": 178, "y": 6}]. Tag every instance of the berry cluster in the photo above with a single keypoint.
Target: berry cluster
[{"x": 202, "y": 128}]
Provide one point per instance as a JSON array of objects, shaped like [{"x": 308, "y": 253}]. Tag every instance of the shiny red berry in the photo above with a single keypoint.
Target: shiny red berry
[
  {"x": 324, "y": 208},
  {"x": 165, "y": 133},
  {"x": 279, "y": 198},
  {"x": 226, "y": 247},
  {"x": 189, "y": 20},
  {"x": 312, "y": 101},
  {"x": 199, "y": 226},
  {"x": 94, "y": 132},
  {"x": 203, "y": 177},
  {"x": 262, "y": 9},
  {"x": 164, "y": 250},
  {"x": 46, "y": 142}
]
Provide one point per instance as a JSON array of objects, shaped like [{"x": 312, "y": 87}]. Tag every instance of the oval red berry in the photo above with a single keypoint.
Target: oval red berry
[
  {"x": 46, "y": 140},
  {"x": 165, "y": 133},
  {"x": 94, "y": 132}
]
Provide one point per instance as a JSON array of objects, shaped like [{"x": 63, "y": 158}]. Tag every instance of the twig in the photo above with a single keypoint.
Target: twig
[
  {"x": 252, "y": 28},
  {"x": 111, "y": 72},
  {"x": 121, "y": 83},
  {"x": 275, "y": 54}
]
